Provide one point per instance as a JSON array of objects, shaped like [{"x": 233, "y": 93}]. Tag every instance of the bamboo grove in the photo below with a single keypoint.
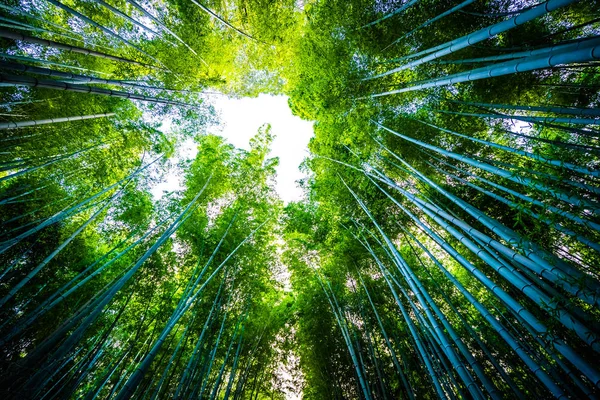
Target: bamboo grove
[{"x": 447, "y": 246}]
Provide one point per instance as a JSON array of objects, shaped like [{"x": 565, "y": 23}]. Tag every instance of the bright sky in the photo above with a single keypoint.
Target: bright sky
[{"x": 240, "y": 120}]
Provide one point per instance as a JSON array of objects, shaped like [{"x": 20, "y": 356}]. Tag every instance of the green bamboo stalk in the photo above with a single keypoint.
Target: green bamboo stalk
[
  {"x": 213, "y": 353},
  {"x": 516, "y": 279},
  {"x": 431, "y": 21},
  {"x": 134, "y": 380},
  {"x": 338, "y": 318},
  {"x": 49, "y": 258},
  {"x": 558, "y": 344},
  {"x": 75, "y": 78},
  {"x": 107, "y": 31},
  {"x": 218, "y": 18},
  {"x": 407, "y": 387},
  {"x": 553, "y": 181},
  {"x": 533, "y": 119},
  {"x": 45, "y": 164},
  {"x": 496, "y": 14},
  {"x": 498, "y": 327},
  {"x": 91, "y": 313},
  {"x": 438, "y": 289},
  {"x": 232, "y": 374},
  {"x": 421, "y": 294},
  {"x": 215, "y": 304},
  {"x": 528, "y": 199},
  {"x": 159, "y": 23},
  {"x": 512, "y": 304},
  {"x": 481, "y": 35},
  {"x": 51, "y": 178},
  {"x": 526, "y": 181},
  {"x": 539, "y": 266},
  {"x": 20, "y": 80},
  {"x": 69, "y": 288},
  {"x": 397, "y": 11},
  {"x": 548, "y": 108},
  {"x": 121, "y": 14},
  {"x": 22, "y": 124},
  {"x": 217, "y": 383},
  {"x": 414, "y": 335},
  {"x": 424, "y": 299},
  {"x": 589, "y": 51},
  {"x": 62, "y": 46},
  {"x": 37, "y": 60},
  {"x": 556, "y": 163},
  {"x": 525, "y": 210},
  {"x": 29, "y": 16},
  {"x": 30, "y": 28},
  {"x": 568, "y": 45},
  {"x": 532, "y": 251}
]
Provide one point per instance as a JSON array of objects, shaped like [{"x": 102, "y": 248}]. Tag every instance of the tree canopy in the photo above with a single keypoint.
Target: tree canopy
[{"x": 447, "y": 245}]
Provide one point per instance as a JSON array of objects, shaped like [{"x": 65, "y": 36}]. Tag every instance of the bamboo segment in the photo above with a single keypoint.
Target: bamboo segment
[
  {"x": 50, "y": 43},
  {"x": 481, "y": 35},
  {"x": 19, "y": 80},
  {"x": 23, "y": 124}
]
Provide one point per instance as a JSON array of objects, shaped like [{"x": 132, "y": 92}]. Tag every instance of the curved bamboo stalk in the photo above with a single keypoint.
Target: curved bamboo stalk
[
  {"x": 62, "y": 46},
  {"x": 397, "y": 11},
  {"x": 428, "y": 305},
  {"x": 159, "y": 23},
  {"x": 526, "y": 181},
  {"x": 36, "y": 60},
  {"x": 77, "y": 78},
  {"x": 218, "y": 18},
  {"x": 512, "y": 304},
  {"x": 536, "y": 157},
  {"x": 121, "y": 14},
  {"x": 431, "y": 21},
  {"x": 184, "y": 305},
  {"x": 19, "y": 80},
  {"x": 102, "y": 28},
  {"x": 479, "y": 36},
  {"x": 555, "y": 109},
  {"x": 22, "y": 124},
  {"x": 589, "y": 51}
]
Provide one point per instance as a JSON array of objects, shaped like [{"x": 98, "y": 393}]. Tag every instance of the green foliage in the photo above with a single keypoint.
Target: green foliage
[{"x": 447, "y": 247}]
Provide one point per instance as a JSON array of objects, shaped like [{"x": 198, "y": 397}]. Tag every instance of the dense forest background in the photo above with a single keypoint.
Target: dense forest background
[{"x": 448, "y": 245}]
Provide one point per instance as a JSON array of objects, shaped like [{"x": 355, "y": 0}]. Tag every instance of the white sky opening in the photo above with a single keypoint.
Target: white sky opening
[{"x": 240, "y": 120}]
